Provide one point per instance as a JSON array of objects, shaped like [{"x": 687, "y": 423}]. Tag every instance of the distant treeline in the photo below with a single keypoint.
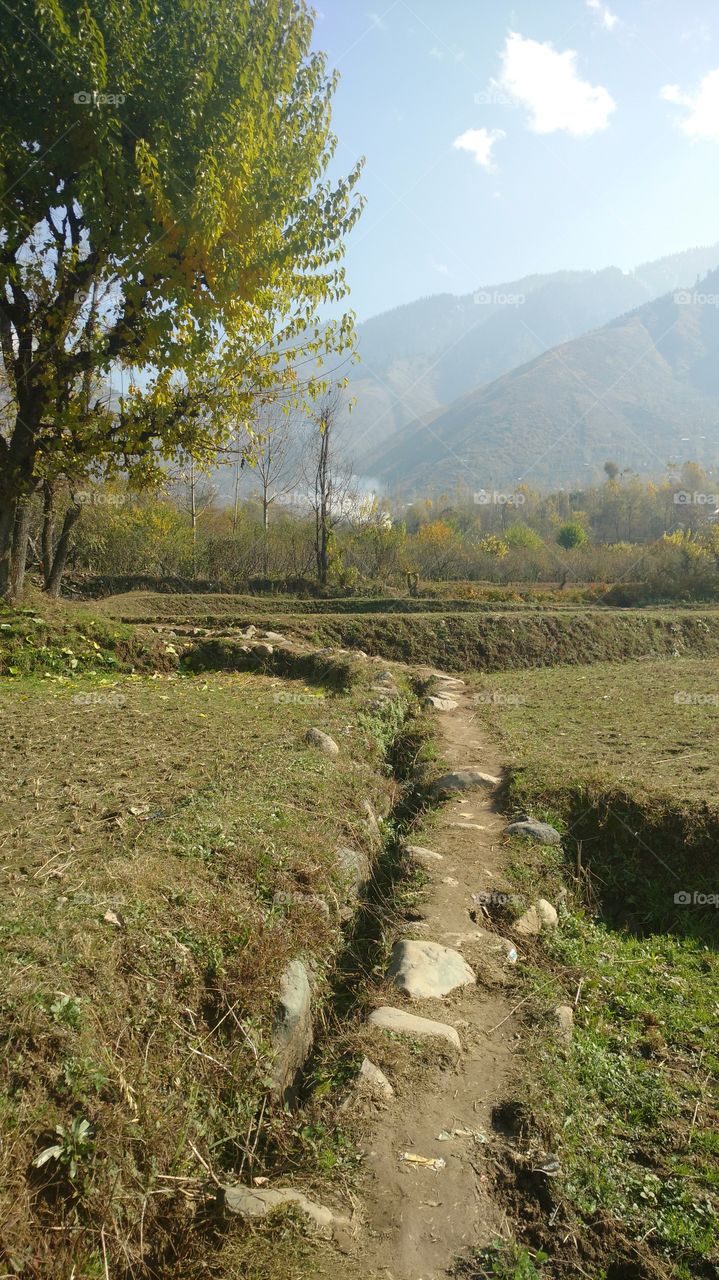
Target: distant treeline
[{"x": 651, "y": 540}]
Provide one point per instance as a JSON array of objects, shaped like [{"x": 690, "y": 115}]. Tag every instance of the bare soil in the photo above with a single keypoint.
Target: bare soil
[{"x": 418, "y": 1221}]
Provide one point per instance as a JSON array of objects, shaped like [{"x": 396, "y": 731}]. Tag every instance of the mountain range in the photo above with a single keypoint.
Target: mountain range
[{"x": 542, "y": 378}]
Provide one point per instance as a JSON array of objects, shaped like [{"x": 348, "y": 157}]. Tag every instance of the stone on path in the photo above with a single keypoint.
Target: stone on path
[
  {"x": 531, "y": 829},
  {"x": 463, "y": 780},
  {"x": 322, "y": 741},
  {"x": 292, "y": 1030},
  {"x": 427, "y": 970},
  {"x": 420, "y": 854},
  {"x": 371, "y": 1080},
  {"x": 447, "y": 679},
  {"x": 564, "y": 1018},
  {"x": 256, "y": 1203},
  {"x": 262, "y": 650},
  {"x": 440, "y": 704},
  {"x": 541, "y": 914},
  {"x": 402, "y": 1023},
  {"x": 274, "y": 637}
]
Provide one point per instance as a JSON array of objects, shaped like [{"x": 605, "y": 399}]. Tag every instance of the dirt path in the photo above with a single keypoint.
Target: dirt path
[{"x": 417, "y": 1220}]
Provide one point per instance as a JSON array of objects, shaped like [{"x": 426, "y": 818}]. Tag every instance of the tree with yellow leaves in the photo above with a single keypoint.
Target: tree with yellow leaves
[{"x": 162, "y": 172}]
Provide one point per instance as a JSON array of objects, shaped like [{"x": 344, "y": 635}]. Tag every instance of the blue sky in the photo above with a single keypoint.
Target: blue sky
[{"x": 504, "y": 139}]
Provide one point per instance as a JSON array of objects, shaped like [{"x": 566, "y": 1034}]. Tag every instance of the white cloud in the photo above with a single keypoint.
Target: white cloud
[
  {"x": 608, "y": 19},
  {"x": 377, "y": 21},
  {"x": 436, "y": 53},
  {"x": 440, "y": 267},
  {"x": 479, "y": 143},
  {"x": 702, "y": 106},
  {"x": 549, "y": 85}
]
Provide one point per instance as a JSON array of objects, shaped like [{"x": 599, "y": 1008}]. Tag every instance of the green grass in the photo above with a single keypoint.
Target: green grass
[
  {"x": 652, "y": 725},
  {"x": 481, "y": 640},
  {"x": 143, "y": 606},
  {"x": 630, "y": 1110},
  {"x": 135, "y": 1044},
  {"x": 503, "y": 1261},
  {"x": 629, "y": 772},
  {"x": 50, "y": 639}
]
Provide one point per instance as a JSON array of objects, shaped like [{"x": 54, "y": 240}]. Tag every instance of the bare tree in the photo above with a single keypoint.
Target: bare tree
[
  {"x": 197, "y": 494},
  {"x": 332, "y": 493},
  {"x": 277, "y": 463}
]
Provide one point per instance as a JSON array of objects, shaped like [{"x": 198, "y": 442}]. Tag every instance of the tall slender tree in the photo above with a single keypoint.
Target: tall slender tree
[{"x": 331, "y": 483}]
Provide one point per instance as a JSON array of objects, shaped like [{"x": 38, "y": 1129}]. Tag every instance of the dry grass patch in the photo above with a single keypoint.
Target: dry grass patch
[{"x": 145, "y": 831}]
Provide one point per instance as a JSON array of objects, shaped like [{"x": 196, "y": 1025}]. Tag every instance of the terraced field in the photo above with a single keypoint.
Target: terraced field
[{"x": 172, "y": 844}]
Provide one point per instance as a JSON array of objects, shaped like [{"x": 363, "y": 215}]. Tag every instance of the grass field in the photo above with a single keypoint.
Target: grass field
[
  {"x": 651, "y": 725},
  {"x": 143, "y": 606},
  {"x": 624, "y": 759},
  {"x": 162, "y": 838},
  {"x": 166, "y": 837}
]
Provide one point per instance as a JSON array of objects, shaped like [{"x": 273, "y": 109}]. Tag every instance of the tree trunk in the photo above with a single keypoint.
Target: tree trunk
[
  {"x": 48, "y": 530},
  {"x": 193, "y": 517},
  {"x": 265, "y": 531},
  {"x": 52, "y": 585},
  {"x": 17, "y": 485},
  {"x": 323, "y": 484},
  {"x": 18, "y": 558},
  {"x": 7, "y": 529},
  {"x": 236, "y": 501}
]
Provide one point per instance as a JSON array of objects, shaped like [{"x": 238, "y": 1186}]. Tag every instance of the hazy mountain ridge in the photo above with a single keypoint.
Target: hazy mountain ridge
[
  {"x": 421, "y": 357},
  {"x": 642, "y": 389}
]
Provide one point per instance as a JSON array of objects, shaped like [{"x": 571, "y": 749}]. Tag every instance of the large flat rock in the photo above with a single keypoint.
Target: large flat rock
[
  {"x": 436, "y": 703},
  {"x": 463, "y": 780},
  {"x": 421, "y": 854},
  {"x": 408, "y": 1024},
  {"x": 253, "y": 1203},
  {"x": 531, "y": 829},
  {"x": 427, "y": 970}
]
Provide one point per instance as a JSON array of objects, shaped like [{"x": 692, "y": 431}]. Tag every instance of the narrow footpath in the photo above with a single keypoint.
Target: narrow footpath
[{"x": 418, "y": 1218}]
